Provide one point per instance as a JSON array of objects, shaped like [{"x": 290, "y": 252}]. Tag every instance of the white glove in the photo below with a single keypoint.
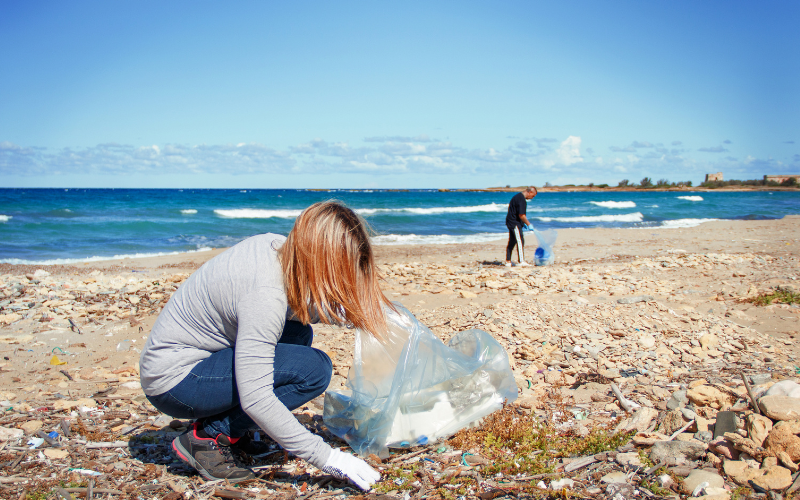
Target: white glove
[{"x": 345, "y": 466}]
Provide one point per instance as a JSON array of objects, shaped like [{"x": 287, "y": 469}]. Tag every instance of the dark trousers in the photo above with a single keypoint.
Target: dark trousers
[
  {"x": 209, "y": 391},
  {"x": 515, "y": 232}
]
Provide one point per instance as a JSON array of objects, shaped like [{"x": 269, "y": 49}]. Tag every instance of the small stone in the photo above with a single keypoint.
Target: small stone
[
  {"x": 56, "y": 453},
  {"x": 784, "y": 388},
  {"x": 760, "y": 378},
  {"x": 10, "y": 434},
  {"x": 780, "y": 407},
  {"x": 553, "y": 377},
  {"x": 787, "y": 461},
  {"x": 615, "y": 477},
  {"x": 647, "y": 341},
  {"x": 703, "y": 436},
  {"x": 712, "y": 493},
  {"x": 562, "y": 483},
  {"x": 467, "y": 294},
  {"x": 640, "y": 421},
  {"x": 782, "y": 439},
  {"x": 7, "y": 396},
  {"x": 775, "y": 478},
  {"x": 31, "y": 426},
  {"x": 722, "y": 446},
  {"x": 635, "y": 299},
  {"x": 648, "y": 438},
  {"x": 758, "y": 428},
  {"x": 706, "y": 395},
  {"x": 64, "y": 404},
  {"x": 620, "y": 491},
  {"x": 708, "y": 341},
  {"x": 672, "y": 421},
  {"x": 688, "y": 414},
  {"x": 676, "y": 452},
  {"x": 739, "y": 471},
  {"x": 665, "y": 481},
  {"x": 630, "y": 459}
]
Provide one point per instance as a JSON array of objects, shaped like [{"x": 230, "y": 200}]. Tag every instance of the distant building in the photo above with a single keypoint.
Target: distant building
[
  {"x": 780, "y": 179},
  {"x": 714, "y": 177}
]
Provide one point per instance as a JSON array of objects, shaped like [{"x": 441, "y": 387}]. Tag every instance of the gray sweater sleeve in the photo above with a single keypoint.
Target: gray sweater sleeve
[
  {"x": 261, "y": 319},
  {"x": 236, "y": 300}
]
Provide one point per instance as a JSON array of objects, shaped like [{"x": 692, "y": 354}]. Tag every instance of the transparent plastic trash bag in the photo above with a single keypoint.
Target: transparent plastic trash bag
[
  {"x": 411, "y": 389},
  {"x": 544, "y": 252}
]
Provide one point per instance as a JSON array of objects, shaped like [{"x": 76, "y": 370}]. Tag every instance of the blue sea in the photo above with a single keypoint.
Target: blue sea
[{"x": 60, "y": 226}]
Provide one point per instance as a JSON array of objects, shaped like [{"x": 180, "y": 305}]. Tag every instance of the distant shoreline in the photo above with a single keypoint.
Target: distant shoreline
[
  {"x": 541, "y": 189},
  {"x": 568, "y": 189}
]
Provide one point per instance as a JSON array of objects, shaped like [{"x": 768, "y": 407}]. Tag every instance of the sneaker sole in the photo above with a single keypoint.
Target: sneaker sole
[{"x": 184, "y": 455}]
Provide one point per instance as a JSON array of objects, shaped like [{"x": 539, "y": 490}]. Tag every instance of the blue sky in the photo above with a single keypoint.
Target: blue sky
[{"x": 395, "y": 94}]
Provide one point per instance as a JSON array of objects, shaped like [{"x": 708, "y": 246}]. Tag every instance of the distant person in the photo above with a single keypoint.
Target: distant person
[
  {"x": 232, "y": 348},
  {"x": 515, "y": 221}
]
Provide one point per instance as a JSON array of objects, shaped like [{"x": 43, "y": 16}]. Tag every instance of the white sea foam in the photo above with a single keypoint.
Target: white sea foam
[
  {"x": 634, "y": 217},
  {"x": 5, "y": 218},
  {"x": 56, "y": 262},
  {"x": 680, "y": 223},
  {"x": 491, "y": 207},
  {"x": 614, "y": 204},
  {"x": 257, "y": 213},
  {"x": 691, "y": 198},
  {"x": 189, "y": 211},
  {"x": 435, "y": 239}
]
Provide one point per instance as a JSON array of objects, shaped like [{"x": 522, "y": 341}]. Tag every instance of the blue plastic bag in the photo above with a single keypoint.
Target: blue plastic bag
[
  {"x": 543, "y": 255},
  {"x": 411, "y": 389}
]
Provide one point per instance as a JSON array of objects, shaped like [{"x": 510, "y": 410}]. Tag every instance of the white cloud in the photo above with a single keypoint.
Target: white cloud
[
  {"x": 570, "y": 151},
  {"x": 389, "y": 155}
]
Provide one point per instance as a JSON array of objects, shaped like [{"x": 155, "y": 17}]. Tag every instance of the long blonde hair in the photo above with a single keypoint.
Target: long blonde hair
[{"x": 327, "y": 263}]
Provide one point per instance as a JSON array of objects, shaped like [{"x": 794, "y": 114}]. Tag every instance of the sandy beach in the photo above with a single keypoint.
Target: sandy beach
[{"x": 666, "y": 303}]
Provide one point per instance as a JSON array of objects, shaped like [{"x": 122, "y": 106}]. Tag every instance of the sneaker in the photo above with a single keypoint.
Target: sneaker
[
  {"x": 251, "y": 446},
  {"x": 209, "y": 457},
  {"x": 522, "y": 263},
  {"x": 507, "y": 264}
]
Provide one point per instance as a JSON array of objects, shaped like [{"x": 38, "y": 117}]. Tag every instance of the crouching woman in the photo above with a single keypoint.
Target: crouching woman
[{"x": 232, "y": 348}]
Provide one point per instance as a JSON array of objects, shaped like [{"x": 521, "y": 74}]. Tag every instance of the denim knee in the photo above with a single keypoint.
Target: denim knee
[{"x": 321, "y": 375}]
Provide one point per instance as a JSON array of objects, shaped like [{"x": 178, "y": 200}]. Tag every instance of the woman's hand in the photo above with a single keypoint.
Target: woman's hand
[{"x": 345, "y": 466}]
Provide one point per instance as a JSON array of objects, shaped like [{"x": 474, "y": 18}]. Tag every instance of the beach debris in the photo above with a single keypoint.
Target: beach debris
[{"x": 690, "y": 369}]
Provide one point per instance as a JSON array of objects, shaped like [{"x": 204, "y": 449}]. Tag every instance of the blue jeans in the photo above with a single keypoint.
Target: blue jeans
[{"x": 209, "y": 393}]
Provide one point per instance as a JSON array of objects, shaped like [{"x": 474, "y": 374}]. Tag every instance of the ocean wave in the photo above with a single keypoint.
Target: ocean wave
[
  {"x": 491, "y": 207},
  {"x": 257, "y": 213},
  {"x": 58, "y": 262},
  {"x": 691, "y": 198},
  {"x": 681, "y": 223},
  {"x": 614, "y": 204},
  {"x": 189, "y": 211},
  {"x": 435, "y": 239},
  {"x": 634, "y": 217},
  {"x": 6, "y": 218}
]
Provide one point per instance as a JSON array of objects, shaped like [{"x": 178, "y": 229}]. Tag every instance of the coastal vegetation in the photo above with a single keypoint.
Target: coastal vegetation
[
  {"x": 789, "y": 182},
  {"x": 647, "y": 183},
  {"x": 779, "y": 296}
]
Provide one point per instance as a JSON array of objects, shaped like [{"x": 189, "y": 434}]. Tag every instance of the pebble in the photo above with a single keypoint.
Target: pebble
[
  {"x": 615, "y": 477},
  {"x": 676, "y": 452},
  {"x": 700, "y": 476},
  {"x": 780, "y": 407}
]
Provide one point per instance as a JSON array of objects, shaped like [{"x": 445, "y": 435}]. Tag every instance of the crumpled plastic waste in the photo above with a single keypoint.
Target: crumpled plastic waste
[
  {"x": 543, "y": 256},
  {"x": 411, "y": 389},
  {"x": 35, "y": 442},
  {"x": 55, "y": 361}
]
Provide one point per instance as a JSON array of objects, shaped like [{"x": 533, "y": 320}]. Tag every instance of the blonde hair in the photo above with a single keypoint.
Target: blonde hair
[{"x": 327, "y": 263}]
